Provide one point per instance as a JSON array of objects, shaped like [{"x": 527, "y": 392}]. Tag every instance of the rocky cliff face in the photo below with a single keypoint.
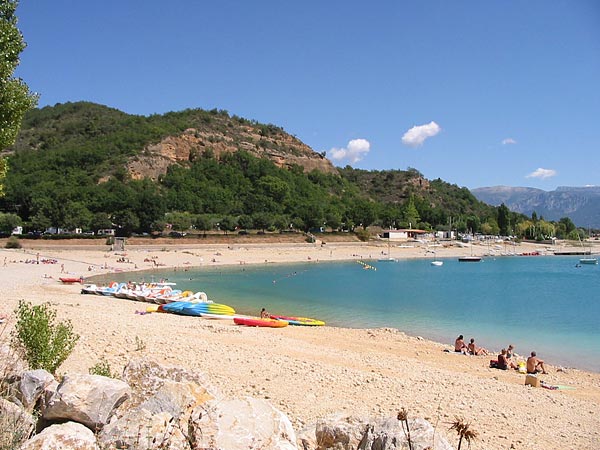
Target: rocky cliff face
[
  {"x": 284, "y": 150},
  {"x": 580, "y": 204}
]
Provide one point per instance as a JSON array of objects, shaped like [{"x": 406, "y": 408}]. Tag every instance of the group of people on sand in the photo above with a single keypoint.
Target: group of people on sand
[
  {"x": 468, "y": 349},
  {"x": 505, "y": 360}
]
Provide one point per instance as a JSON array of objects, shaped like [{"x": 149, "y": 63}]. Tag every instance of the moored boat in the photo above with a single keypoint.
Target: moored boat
[{"x": 469, "y": 258}]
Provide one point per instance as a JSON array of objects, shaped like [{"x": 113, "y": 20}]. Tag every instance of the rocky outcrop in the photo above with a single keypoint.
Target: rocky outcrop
[
  {"x": 283, "y": 149},
  {"x": 86, "y": 399},
  {"x": 242, "y": 424},
  {"x": 69, "y": 435},
  {"x": 157, "y": 406},
  {"x": 32, "y": 385},
  {"x": 341, "y": 432}
]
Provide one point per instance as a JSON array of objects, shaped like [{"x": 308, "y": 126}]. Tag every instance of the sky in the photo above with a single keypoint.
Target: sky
[{"x": 477, "y": 93}]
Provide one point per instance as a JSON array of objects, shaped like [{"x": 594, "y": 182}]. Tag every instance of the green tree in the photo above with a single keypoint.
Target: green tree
[
  {"x": 179, "y": 221},
  {"x": 410, "y": 213},
  {"x": 100, "y": 221},
  {"x": 76, "y": 216},
  {"x": 504, "y": 219},
  {"x": 569, "y": 226},
  {"x": 15, "y": 98},
  {"x": 245, "y": 222},
  {"x": 203, "y": 223},
  {"x": 473, "y": 224},
  {"x": 9, "y": 221},
  {"x": 262, "y": 220},
  {"x": 126, "y": 222},
  {"x": 228, "y": 223}
]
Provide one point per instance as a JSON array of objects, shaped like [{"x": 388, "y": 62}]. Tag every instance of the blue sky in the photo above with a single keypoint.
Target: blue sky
[{"x": 477, "y": 93}]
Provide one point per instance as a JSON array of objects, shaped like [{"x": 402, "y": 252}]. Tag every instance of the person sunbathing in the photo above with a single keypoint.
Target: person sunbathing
[
  {"x": 474, "y": 350},
  {"x": 535, "y": 365},
  {"x": 459, "y": 345},
  {"x": 504, "y": 361}
]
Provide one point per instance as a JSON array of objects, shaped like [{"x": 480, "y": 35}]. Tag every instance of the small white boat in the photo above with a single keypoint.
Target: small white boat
[
  {"x": 469, "y": 258},
  {"x": 435, "y": 262},
  {"x": 588, "y": 260}
]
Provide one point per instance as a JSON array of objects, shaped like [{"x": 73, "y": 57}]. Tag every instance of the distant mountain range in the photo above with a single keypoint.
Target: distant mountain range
[{"x": 580, "y": 204}]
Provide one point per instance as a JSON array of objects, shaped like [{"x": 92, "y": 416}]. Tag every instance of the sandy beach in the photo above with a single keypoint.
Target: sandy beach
[{"x": 308, "y": 373}]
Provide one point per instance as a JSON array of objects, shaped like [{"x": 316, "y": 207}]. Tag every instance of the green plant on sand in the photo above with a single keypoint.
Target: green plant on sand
[
  {"x": 12, "y": 242},
  {"x": 102, "y": 368},
  {"x": 45, "y": 344}
]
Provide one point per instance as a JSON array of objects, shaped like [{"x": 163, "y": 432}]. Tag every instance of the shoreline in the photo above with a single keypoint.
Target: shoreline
[{"x": 306, "y": 372}]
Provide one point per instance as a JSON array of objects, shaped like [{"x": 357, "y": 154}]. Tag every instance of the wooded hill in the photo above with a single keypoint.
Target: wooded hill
[{"x": 84, "y": 165}]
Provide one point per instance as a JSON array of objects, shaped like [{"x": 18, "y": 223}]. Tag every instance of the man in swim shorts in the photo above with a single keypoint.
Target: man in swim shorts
[
  {"x": 535, "y": 365},
  {"x": 459, "y": 345}
]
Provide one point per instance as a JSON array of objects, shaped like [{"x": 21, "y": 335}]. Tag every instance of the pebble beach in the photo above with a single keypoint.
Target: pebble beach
[{"x": 306, "y": 372}]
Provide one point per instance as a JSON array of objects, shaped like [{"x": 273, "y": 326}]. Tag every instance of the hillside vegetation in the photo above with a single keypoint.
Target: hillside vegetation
[{"x": 83, "y": 165}]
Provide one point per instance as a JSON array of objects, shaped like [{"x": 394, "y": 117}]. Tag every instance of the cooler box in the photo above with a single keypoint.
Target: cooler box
[{"x": 532, "y": 380}]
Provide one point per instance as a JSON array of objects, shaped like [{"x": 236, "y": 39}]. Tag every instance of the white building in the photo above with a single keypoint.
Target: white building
[{"x": 403, "y": 234}]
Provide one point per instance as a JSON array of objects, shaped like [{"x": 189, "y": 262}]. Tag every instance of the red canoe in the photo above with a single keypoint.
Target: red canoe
[
  {"x": 68, "y": 280},
  {"x": 258, "y": 322}
]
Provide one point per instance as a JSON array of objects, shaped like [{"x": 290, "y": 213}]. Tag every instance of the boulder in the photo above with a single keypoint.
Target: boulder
[
  {"x": 69, "y": 435},
  {"x": 163, "y": 418},
  {"x": 16, "y": 424},
  {"x": 146, "y": 378},
  {"x": 139, "y": 428},
  {"x": 344, "y": 433},
  {"x": 32, "y": 385},
  {"x": 87, "y": 399},
  {"x": 242, "y": 424}
]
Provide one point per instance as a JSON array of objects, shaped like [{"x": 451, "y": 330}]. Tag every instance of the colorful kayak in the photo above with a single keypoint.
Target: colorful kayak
[
  {"x": 258, "y": 322},
  {"x": 304, "y": 321},
  {"x": 196, "y": 309}
]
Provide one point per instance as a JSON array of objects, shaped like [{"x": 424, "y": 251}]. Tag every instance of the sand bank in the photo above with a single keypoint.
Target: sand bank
[{"x": 308, "y": 373}]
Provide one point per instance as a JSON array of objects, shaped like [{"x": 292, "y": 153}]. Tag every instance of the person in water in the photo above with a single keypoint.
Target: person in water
[
  {"x": 535, "y": 365},
  {"x": 459, "y": 345}
]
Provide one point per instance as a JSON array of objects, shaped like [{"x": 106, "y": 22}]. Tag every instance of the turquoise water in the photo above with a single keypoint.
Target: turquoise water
[{"x": 536, "y": 303}]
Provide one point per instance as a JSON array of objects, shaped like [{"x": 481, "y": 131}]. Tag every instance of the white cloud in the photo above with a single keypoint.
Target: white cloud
[
  {"x": 508, "y": 141},
  {"x": 417, "y": 134},
  {"x": 542, "y": 173},
  {"x": 353, "y": 152}
]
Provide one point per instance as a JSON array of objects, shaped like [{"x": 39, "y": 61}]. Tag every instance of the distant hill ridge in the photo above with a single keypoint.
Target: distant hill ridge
[
  {"x": 580, "y": 204},
  {"x": 89, "y": 166},
  {"x": 148, "y": 145}
]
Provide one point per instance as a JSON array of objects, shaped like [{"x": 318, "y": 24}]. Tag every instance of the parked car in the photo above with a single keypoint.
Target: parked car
[{"x": 177, "y": 234}]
